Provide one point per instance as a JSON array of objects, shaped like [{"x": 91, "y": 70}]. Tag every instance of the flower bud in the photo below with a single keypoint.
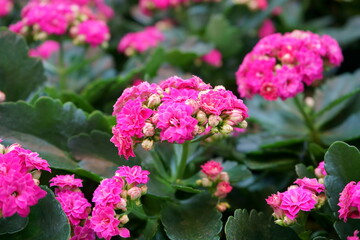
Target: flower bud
[
  {"x": 226, "y": 129},
  {"x": 134, "y": 193},
  {"x": 36, "y": 181},
  {"x": 147, "y": 144},
  {"x": 122, "y": 204},
  {"x": 224, "y": 177},
  {"x": 2, "y": 149},
  {"x": 321, "y": 200},
  {"x": 148, "y": 130},
  {"x": 193, "y": 104},
  {"x": 2, "y": 97},
  {"x": 222, "y": 206},
  {"x": 155, "y": 118},
  {"x": 236, "y": 116},
  {"x": 124, "y": 219},
  {"x": 123, "y": 194},
  {"x": 214, "y": 120},
  {"x": 12, "y": 147},
  {"x": 243, "y": 124},
  {"x": 154, "y": 101},
  {"x": 201, "y": 117},
  {"x": 205, "y": 182},
  {"x": 144, "y": 189},
  {"x": 309, "y": 101},
  {"x": 219, "y": 87},
  {"x": 36, "y": 174}
]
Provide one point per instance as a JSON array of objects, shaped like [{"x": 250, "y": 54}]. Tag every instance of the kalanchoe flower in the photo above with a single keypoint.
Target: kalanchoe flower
[
  {"x": 222, "y": 189},
  {"x": 140, "y": 41},
  {"x": 311, "y": 184},
  {"x": 349, "y": 201},
  {"x": 93, "y": 32},
  {"x": 66, "y": 182},
  {"x": 2, "y": 97},
  {"x": 355, "y": 236},
  {"x": 253, "y": 4},
  {"x": 320, "y": 171},
  {"x": 5, "y": 7},
  {"x": 213, "y": 58},
  {"x": 280, "y": 66},
  {"x": 133, "y": 175},
  {"x": 83, "y": 232},
  {"x": 108, "y": 192},
  {"x": 212, "y": 169},
  {"x": 266, "y": 29},
  {"x": 45, "y": 50},
  {"x": 104, "y": 223}
]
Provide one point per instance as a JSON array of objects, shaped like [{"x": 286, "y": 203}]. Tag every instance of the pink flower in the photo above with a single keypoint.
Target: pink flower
[
  {"x": 176, "y": 122},
  {"x": 66, "y": 182},
  {"x": 355, "y": 237},
  {"x": 349, "y": 201},
  {"x": 45, "y": 50},
  {"x": 124, "y": 232},
  {"x": 320, "y": 171},
  {"x": 213, "y": 58},
  {"x": 296, "y": 200},
  {"x": 222, "y": 189},
  {"x": 104, "y": 223},
  {"x": 93, "y": 32},
  {"x": 134, "y": 193},
  {"x": 83, "y": 233},
  {"x": 17, "y": 193},
  {"x": 31, "y": 160},
  {"x": 311, "y": 184},
  {"x": 192, "y": 83},
  {"x": 133, "y": 175},
  {"x": 5, "y": 7},
  {"x": 266, "y": 29},
  {"x": 212, "y": 169},
  {"x": 180, "y": 95},
  {"x": 132, "y": 118},
  {"x": 11, "y": 161},
  {"x": 74, "y": 204},
  {"x": 140, "y": 41},
  {"x": 123, "y": 143},
  {"x": 333, "y": 50},
  {"x": 274, "y": 201},
  {"x": 108, "y": 192}
]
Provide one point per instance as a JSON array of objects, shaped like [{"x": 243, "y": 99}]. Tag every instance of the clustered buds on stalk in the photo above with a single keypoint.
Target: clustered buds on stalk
[
  {"x": 176, "y": 110},
  {"x": 20, "y": 171},
  {"x": 306, "y": 195},
  {"x": 217, "y": 181}
]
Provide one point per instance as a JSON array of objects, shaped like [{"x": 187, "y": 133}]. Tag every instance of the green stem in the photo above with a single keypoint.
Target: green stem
[
  {"x": 62, "y": 69},
  {"x": 182, "y": 164},
  {"x": 308, "y": 120}
]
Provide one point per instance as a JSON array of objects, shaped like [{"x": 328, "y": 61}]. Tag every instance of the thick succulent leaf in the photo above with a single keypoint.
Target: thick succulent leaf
[
  {"x": 195, "y": 218},
  {"x": 12, "y": 224},
  {"x": 303, "y": 171},
  {"x": 20, "y": 75},
  {"x": 47, "y": 220},
  {"x": 345, "y": 34},
  {"x": 347, "y": 229}
]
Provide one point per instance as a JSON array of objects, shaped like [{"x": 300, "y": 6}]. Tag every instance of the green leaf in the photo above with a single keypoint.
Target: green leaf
[
  {"x": 254, "y": 226},
  {"x": 237, "y": 172},
  {"x": 303, "y": 171},
  {"x": 46, "y": 126},
  {"x": 97, "y": 154},
  {"x": 186, "y": 188},
  {"x": 47, "y": 220},
  {"x": 346, "y": 34},
  {"x": 154, "y": 62},
  {"x": 159, "y": 188},
  {"x": 12, "y": 224},
  {"x": 195, "y": 219},
  {"x": 151, "y": 228},
  {"x": 228, "y": 42},
  {"x": 347, "y": 229},
  {"x": 342, "y": 162},
  {"x": 267, "y": 164},
  {"x": 20, "y": 75}
]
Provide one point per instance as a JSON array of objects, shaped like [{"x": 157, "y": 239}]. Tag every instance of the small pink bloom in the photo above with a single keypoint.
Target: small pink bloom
[
  {"x": 355, "y": 237},
  {"x": 83, "y": 233},
  {"x": 94, "y": 32},
  {"x": 32, "y": 160},
  {"x": 213, "y": 58},
  {"x": 134, "y": 193},
  {"x": 311, "y": 184},
  {"x": 212, "y": 169},
  {"x": 104, "y": 223},
  {"x": 192, "y": 83},
  {"x": 45, "y": 50},
  {"x": 320, "y": 171},
  {"x": 349, "y": 201},
  {"x": 296, "y": 200},
  {"x": 108, "y": 192},
  {"x": 66, "y": 182},
  {"x": 274, "y": 201},
  {"x": 266, "y": 29},
  {"x": 124, "y": 232},
  {"x": 123, "y": 143},
  {"x": 5, "y": 7},
  {"x": 133, "y": 175},
  {"x": 222, "y": 189}
]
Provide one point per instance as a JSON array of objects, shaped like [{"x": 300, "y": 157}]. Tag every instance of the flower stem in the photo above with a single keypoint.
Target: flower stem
[
  {"x": 308, "y": 120},
  {"x": 182, "y": 164}
]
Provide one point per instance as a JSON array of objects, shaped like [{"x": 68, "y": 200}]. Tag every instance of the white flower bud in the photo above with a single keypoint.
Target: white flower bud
[
  {"x": 224, "y": 177},
  {"x": 148, "y": 130},
  {"x": 2, "y": 97},
  {"x": 154, "y": 100},
  {"x": 214, "y": 120},
  {"x": 124, "y": 219},
  {"x": 201, "y": 117},
  {"x": 226, "y": 129},
  {"x": 147, "y": 144},
  {"x": 134, "y": 193}
]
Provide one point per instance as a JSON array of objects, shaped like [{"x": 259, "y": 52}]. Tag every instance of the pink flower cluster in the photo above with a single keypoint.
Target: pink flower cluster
[
  {"x": 355, "y": 236},
  {"x": 305, "y": 196},
  {"x": 140, "y": 41},
  {"x": 20, "y": 170},
  {"x": 45, "y": 50},
  {"x": 5, "y": 7},
  {"x": 60, "y": 17},
  {"x": 75, "y": 205},
  {"x": 280, "y": 65},
  {"x": 214, "y": 178},
  {"x": 253, "y": 4},
  {"x": 148, "y": 6},
  {"x": 113, "y": 195},
  {"x": 213, "y": 58},
  {"x": 176, "y": 111},
  {"x": 349, "y": 201}
]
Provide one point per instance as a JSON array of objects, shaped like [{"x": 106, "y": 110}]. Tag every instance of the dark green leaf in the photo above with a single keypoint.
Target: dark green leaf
[
  {"x": 303, "y": 171},
  {"x": 341, "y": 163},
  {"x": 346, "y": 34},
  {"x": 186, "y": 188},
  {"x": 160, "y": 188},
  {"x": 269, "y": 164},
  {"x": 20, "y": 75},
  {"x": 237, "y": 172},
  {"x": 195, "y": 219},
  {"x": 347, "y": 229},
  {"x": 12, "y": 224},
  {"x": 151, "y": 228},
  {"x": 154, "y": 62},
  {"x": 46, "y": 221}
]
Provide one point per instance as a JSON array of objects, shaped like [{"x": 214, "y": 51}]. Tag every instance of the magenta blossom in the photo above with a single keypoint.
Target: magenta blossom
[
  {"x": 133, "y": 175},
  {"x": 123, "y": 143},
  {"x": 222, "y": 189},
  {"x": 212, "y": 169},
  {"x": 45, "y": 50},
  {"x": 311, "y": 184},
  {"x": 108, "y": 192},
  {"x": 349, "y": 201},
  {"x": 93, "y": 32},
  {"x": 66, "y": 182},
  {"x": 5, "y": 7},
  {"x": 213, "y": 58},
  {"x": 104, "y": 223}
]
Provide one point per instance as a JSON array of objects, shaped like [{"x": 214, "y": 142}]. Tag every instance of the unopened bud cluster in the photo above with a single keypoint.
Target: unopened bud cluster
[
  {"x": 176, "y": 110},
  {"x": 217, "y": 181}
]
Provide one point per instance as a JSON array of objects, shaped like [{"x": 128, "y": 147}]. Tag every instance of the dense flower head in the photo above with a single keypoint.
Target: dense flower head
[
  {"x": 267, "y": 28},
  {"x": 140, "y": 41},
  {"x": 83, "y": 232},
  {"x": 79, "y": 19},
  {"x": 349, "y": 201},
  {"x": 222, "y": 189},
  {"x": 311, "y": 184},
  {"x": 68, "y": 182},
  {"x": 104, "y": 223},
  {"x": 45, "y": 50},
  {"x": 108, "y": 192},
  {"x": 5, "y": 7},
  {"x": 74, "y": 204},
  {"x": 175, "y": 110},
  {"x": 213, "y": 58},
  {"x": 355, "y": 236},
  {"x": 280, "y": 66},
  {"x": 133, "y": 175},
  {"x": 212, "y": 169}
]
